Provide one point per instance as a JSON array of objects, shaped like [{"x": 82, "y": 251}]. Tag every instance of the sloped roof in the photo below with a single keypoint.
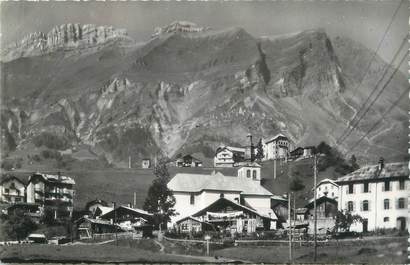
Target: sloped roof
[
  {"x": 231, "y": 148},
  {"x": 279, "y": 135},
  {"x": 319, "y": 201},
  {"x": 224, "y": 200},
  {"x": 135, "y": 210},
  {"x": 216, "y": 181},
  {"x": 390, "y": 170},
  {"x": 54, "y": 178},
  {"x": 327, "y": 181},
  {"x": 105, "y": 209},
  {"x": 10, "y": 177},
  {"x": 248, "y": 164}
]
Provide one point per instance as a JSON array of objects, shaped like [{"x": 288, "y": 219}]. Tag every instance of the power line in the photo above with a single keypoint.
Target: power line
[
  {"x": 371, "y": 60},
  {"x": 380, "y": 44},
  {"x": 353, "y": 123},
  {"x": 390, "y": 109},
  {"x": 378, "y": 122}
]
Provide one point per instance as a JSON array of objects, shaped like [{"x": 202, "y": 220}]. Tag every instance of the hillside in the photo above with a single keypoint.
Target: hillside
[{"x": 110, "y": 96}]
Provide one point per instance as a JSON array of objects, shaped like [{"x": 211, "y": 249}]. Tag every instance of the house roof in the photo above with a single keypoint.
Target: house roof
[
  {"x": 248, "y": 164},
  {"x": 319, "y": 201},
  {"x": 95, "y": 221},
  {"x": 188, "y": 217},
  {"x": 231, "y": 148},
  {"x": 279, "y": 198},
  {"x": 216, "y": 181},
  {"x": 8, "y": 178},
  {"x": 224, "y": 200},
  {"x": 105, "y": 209},
  {"x": 135, "y": 210},
  {"x": 279, "y": 135},
  {"x": 54, "y": 178},
  {"x": 323, "y": 181},
  {"x": 96, "y": 201},
  {"x": 372, "y": 173}
]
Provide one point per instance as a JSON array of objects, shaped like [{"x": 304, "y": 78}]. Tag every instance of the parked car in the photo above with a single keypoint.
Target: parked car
[{"x": 37, "y": 238}]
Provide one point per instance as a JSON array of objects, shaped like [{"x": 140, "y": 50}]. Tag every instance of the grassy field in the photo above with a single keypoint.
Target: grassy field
[
  {"x": 380, "y": 251},
  {"x": 87, "y": 253}
]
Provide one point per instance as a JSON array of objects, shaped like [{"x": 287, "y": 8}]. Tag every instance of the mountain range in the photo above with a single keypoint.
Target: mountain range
[{"x": 95, "y": 88}]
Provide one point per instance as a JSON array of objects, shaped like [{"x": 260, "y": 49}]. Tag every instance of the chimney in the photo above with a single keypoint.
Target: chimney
[
  {"x": 381, "y": 164},
  {"x": 59, "y": 175}
]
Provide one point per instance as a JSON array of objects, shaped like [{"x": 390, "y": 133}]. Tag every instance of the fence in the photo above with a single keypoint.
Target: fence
[
  {"x": 108, "y": 236},
  {"x": 193, "y": 241}
]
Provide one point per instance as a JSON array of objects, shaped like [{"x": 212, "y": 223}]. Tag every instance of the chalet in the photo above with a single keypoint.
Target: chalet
[
  {"x": 97, "y": 207},
  {"x": 302, "y": 152},
  {"x": 328, "y": 188},
  {"x": 228, "y": 156},
  {"x": 191, "y": 224},
  {"x": 88, "y": 227},
  {"x": 188, "y": 161},
  {"x": 378, "y": 193},
  {"x": 12, "y": 190},
  {"x": 326, "y": 211},
  {"x": 146, "y": 163},
  {"x": 276, "y": 147},
  {"x": 279, "y": 205},
  {"x": 195, "y": 192},
  {"x": 33, "y": 210},
  {"x": 54, "y": 192}
]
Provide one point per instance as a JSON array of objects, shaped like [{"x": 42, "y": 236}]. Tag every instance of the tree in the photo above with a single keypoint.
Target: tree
[
  {"x": 160, "y": 200},
  {"x": 296, "y": 185},
  {"x": 18, "y": 226},
  {"x": 345, "y": 219},
  {"x": 353, "y": 162},
  {"x": 259, "y": 151}
]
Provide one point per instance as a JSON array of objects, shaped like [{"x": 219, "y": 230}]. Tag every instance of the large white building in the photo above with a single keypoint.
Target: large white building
[
  {"x": 276, "y": 147},
  {"x": 328, "y": 188},
  {"x": 195, "y": 192},
  {"x": 379, "y": 194}
]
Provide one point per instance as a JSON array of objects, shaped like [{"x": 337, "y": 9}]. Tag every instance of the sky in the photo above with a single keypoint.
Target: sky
[{"x": 363, "y": 21}]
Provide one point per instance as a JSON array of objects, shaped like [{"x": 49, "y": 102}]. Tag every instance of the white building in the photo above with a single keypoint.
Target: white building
[
  {"x": 379, "y": 194},
  {"x": 194, "y": 192},
  {"x": 12, "y": 190},
  {"x": 276, "y": 147},
  {"x": 328, "y": 188},
  {"x": 225, "y": 156}
]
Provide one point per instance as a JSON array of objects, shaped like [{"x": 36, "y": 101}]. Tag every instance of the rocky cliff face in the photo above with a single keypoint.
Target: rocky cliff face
[
  {"x": 181, "y": 93},
  {"x": 66, "y": 36}
]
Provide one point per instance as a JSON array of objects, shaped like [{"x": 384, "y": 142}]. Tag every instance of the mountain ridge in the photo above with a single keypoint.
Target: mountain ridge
[{"x": 184, "y": 91}]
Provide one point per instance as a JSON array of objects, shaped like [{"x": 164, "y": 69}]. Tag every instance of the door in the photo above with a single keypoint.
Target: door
[
  {"x": 365, "y": 225},
  {"x": 401, "y": 223}
]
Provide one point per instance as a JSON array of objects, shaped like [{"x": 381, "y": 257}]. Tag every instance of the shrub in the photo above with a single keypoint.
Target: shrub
[
  {"x": 51, "y": 141},
  {"x": 51, "y": 154}
]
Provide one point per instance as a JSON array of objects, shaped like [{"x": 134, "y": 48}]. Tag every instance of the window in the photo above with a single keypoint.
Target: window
[
  {"x": 387, "y": 185},
  {"x": 319, "y": 188},
  {"x": 385, "y": 219},
  {"x": 401, "y": 184},
  {"x": 401, "y": 204},
  {"x": 254, "y": 174},
  {"x": 192, "y": 199},
  {"x": 221, "y": 195},
  {"x": 333, "y": 194},
  {"x": 350, "y": 206},
  {"x": 350, "y": 189},
  {"x": 248, "y": 173},
  {"x": 365, "y": 205},
  {"x": 6, "y": 190},
  {"x": 365, "y": 187},
  {"x": 386, "y": 204}
]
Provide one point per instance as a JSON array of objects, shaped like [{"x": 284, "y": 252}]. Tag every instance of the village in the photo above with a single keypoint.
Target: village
[{"x": 233, "y": 204}]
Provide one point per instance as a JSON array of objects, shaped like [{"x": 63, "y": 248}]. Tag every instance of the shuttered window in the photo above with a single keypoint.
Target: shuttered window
[
  {"x": 350, "y": 206},
  {"x": 386, "y": 204}
]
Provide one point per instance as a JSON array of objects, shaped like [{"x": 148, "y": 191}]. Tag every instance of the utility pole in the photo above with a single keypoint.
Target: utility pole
[
  {"x": 314, "y": 204},
  {"x": 274, "y": 169},
  {"x": 290, "y": 230},
  {"x": 115, "y": 224}
]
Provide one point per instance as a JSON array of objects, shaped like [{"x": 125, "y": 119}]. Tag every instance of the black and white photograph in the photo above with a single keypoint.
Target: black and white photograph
[{"x": 204, "y": 132}]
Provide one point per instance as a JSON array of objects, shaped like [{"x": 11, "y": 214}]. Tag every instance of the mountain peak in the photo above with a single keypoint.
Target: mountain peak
[
  {"x": 179, "y": 26},
  {"x": 67, "y": 36}
]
